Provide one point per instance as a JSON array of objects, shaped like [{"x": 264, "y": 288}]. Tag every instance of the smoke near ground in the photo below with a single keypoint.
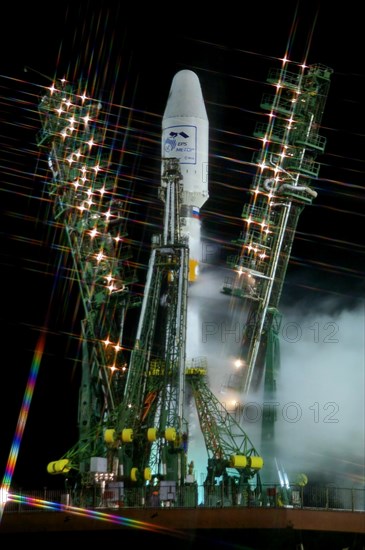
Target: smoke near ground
[
  {"x": 320, "y": 393},
  {"x": 320, "y": 386}
]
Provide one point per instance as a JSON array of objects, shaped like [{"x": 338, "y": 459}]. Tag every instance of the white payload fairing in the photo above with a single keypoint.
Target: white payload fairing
[{"x": 185, "y": 134}]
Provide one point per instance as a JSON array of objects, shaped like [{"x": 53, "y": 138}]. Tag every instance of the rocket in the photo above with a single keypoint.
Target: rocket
[{"x": 185, "y": 134}]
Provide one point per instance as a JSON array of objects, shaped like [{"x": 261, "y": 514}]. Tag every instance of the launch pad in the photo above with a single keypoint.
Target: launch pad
[{"x": 212, "y": 528}]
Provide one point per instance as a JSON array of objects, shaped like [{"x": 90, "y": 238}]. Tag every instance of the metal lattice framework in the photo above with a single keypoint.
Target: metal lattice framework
[
  {"x": 227, "y": 444},
  {"x": 152, "y": 408},
  {"x": 92, "y": 215},
  {"x": 282, "y": 186}
]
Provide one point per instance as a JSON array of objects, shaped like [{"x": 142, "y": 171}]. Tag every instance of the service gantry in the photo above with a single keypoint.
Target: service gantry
[{"x": 282, "y": 186}]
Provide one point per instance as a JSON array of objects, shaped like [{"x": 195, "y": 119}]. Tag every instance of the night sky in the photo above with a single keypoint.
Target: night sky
[{"x": 130, "y": 66}]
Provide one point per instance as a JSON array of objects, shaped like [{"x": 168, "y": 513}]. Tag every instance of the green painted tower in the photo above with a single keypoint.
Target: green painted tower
[{"x": 286, "y": 169}]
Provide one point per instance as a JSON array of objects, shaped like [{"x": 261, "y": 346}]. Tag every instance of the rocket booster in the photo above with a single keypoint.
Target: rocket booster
[{"x": 185, "y": 130}]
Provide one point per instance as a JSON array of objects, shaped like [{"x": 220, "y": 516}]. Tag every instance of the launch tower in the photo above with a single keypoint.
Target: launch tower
[{"x": 282, "y": 187}]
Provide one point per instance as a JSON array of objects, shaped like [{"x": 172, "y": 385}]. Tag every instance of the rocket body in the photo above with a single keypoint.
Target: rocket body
[{"x": 185, "y": 135}]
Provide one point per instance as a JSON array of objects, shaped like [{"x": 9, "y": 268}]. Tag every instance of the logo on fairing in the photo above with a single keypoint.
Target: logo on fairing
[
  {"x": 174, "y": 140},
  {"x": 180, "y": 141}
]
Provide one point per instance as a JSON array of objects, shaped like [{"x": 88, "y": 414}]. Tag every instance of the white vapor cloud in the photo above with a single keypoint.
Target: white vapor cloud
[{"x": 320, "y": 403}]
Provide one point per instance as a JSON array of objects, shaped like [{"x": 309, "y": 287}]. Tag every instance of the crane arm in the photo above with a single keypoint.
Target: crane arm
[{"x": 228, "y": 446}]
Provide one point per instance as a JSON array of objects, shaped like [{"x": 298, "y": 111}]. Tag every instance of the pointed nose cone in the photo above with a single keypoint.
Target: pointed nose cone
[
  {"x": 185, "y": 133},
  {"x": 185, "y": 97}
]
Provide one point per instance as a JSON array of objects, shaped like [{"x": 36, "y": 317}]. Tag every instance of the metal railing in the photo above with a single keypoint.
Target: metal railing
[{"x": 190, "y": 496}]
